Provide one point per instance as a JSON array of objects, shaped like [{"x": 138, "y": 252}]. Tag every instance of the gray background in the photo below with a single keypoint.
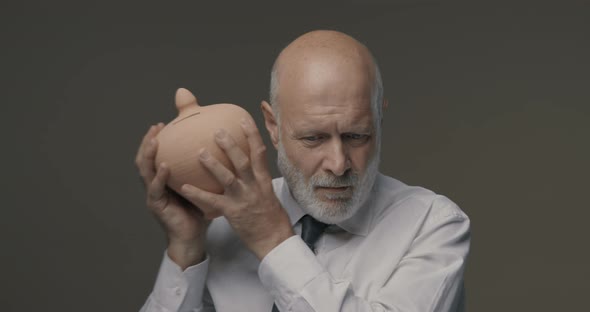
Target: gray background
[{"x": 488, "y": 105}]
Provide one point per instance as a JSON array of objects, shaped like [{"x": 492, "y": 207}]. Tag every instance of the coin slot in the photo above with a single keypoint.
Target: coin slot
[{"x": 191, "y": 115}]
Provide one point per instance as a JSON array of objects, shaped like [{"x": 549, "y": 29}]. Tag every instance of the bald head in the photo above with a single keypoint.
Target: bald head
[
  {"x": 324, "y": 46},
  {"x": 324, "y": 60}
]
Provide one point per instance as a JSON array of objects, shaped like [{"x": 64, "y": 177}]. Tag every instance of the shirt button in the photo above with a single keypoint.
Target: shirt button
[{"x": 178, "y": 291}]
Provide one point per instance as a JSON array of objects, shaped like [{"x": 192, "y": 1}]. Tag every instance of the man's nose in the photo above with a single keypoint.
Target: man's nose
[{"x": 336, "y": 159}]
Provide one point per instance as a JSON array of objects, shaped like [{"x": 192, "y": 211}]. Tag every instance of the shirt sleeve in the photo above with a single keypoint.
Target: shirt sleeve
[
  {"x": 428, "y": 278},
  {"x": 177, "y": 290}
]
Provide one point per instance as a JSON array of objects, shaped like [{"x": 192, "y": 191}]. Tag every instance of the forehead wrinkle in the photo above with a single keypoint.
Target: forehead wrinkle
[
  {"x": 326, "y": 89},
  {"x": 325, "y": 72}
]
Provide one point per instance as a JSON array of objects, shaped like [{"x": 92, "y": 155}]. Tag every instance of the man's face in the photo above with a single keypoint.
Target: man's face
[{"x": 327, "y": 149}]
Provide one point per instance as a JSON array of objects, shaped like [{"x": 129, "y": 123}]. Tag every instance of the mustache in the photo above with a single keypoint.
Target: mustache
[{"x": 346, "y": 180}]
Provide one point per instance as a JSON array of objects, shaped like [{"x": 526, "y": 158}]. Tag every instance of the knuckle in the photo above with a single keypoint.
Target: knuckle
[
  {"x": 222, "y": 140},
  {"x": 261, "y": 151},
  {"x": 232, "y": 213},
  {"x": 251, "y": 129},
  {"x": 243, "y": 164},
  {"x": 213, "y": 202},
  {"x": 156, "y": 202},
  {"x": 210, "y": 208},
  {"x": 229, "y": 180},
  {"x": 152, "y": 198},
  {"x": 149, "y": 203},
  {"x": 143, "y": 172},
  {"x": 149, "y": 151},
  {"x": 229, "y": 140},
  {"x": 139, "y": 162}
]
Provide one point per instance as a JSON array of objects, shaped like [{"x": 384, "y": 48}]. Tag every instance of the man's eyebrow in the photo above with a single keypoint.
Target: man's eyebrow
[
  {"x": 306, "y": 132},
  {"x": 360, "y": 129},
  {"x": 309, "y": 132}
]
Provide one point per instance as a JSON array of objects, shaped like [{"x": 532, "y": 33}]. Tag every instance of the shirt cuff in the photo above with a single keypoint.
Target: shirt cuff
[
  {"x": 287, "y": 269},
  {"x": 178, "y": 290}
]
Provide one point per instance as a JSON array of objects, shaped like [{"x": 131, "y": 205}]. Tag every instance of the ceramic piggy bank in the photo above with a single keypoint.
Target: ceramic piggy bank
[{"x": 180, "y": 141}]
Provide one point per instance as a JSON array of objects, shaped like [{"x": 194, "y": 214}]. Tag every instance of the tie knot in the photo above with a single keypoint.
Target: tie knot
[{"x": 311, "y": 230}]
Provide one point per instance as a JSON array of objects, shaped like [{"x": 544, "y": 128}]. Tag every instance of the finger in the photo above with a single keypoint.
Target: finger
[
  {"x": 209, "y": 203},
  {"x": 257, "y": 149},
  {"x": 145, "y": 165},
  {"x": 223, "y": 175},
  {"x": 157, "y": 194},
  {"x": 148, "y": 167},
  {"x": 151, "y": 133},
  {"x": 144, "y": 142},
  {"x": 238, "y": 158}
]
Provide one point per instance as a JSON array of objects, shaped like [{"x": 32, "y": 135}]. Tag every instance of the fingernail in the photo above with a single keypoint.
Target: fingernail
[
  {"x": 153, "y": 142},
  {"x": 219, "y": 133},
  {"x": 204, "y": 154},
  {"x": 184, "y": 189}
]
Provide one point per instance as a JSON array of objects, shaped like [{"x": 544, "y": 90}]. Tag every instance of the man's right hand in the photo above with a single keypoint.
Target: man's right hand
[{"x": 183, "y": 222}]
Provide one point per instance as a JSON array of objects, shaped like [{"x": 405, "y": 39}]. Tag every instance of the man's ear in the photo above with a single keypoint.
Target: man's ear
[
  {"x": 384, "y": 108},
  {"x": 270, "y": 122}
]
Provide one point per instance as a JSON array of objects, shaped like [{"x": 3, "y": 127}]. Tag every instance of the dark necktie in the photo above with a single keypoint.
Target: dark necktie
[{"x": 311, "y": 230}]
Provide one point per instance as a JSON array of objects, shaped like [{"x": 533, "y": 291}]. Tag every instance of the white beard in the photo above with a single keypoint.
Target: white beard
[{"x": 339, "y": 206}]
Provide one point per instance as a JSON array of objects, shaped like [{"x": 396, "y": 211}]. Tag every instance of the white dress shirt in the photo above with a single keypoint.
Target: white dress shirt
[{"x": 405, "y": 250}]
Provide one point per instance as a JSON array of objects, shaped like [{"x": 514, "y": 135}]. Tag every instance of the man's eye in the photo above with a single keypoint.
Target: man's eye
[
  {"x": 356, "y": 136},
  {"x": 314, "y": 138}
]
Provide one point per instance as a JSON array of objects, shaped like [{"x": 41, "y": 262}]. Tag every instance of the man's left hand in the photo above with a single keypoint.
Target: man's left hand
[{"x": 249, "y": 202}]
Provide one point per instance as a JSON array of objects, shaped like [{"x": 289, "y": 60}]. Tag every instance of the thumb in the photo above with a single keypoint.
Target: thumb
[
  {"x": 210, "y": 204},
  {"x": 157, "y": 193}
]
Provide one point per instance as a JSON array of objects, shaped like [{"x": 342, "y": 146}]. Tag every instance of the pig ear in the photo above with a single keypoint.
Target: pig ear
[{"x": 184, "y": 98}]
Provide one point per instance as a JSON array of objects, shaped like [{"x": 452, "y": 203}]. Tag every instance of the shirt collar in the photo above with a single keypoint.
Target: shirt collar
[
  {"x": 359, "y": 224},
  {"x": 293, "y": 209}
]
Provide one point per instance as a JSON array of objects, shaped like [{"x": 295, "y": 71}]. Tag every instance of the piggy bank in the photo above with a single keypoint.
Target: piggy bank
[{"x": 180, "y": 141}]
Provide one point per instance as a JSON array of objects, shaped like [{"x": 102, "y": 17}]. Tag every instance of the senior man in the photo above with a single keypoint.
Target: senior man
[{"x": 332, "y": 234}]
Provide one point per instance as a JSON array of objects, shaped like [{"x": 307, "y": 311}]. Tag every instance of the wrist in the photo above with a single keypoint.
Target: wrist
[
  {"x": 186, "y": 254},
  {"x": 279, "y": 235}
]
